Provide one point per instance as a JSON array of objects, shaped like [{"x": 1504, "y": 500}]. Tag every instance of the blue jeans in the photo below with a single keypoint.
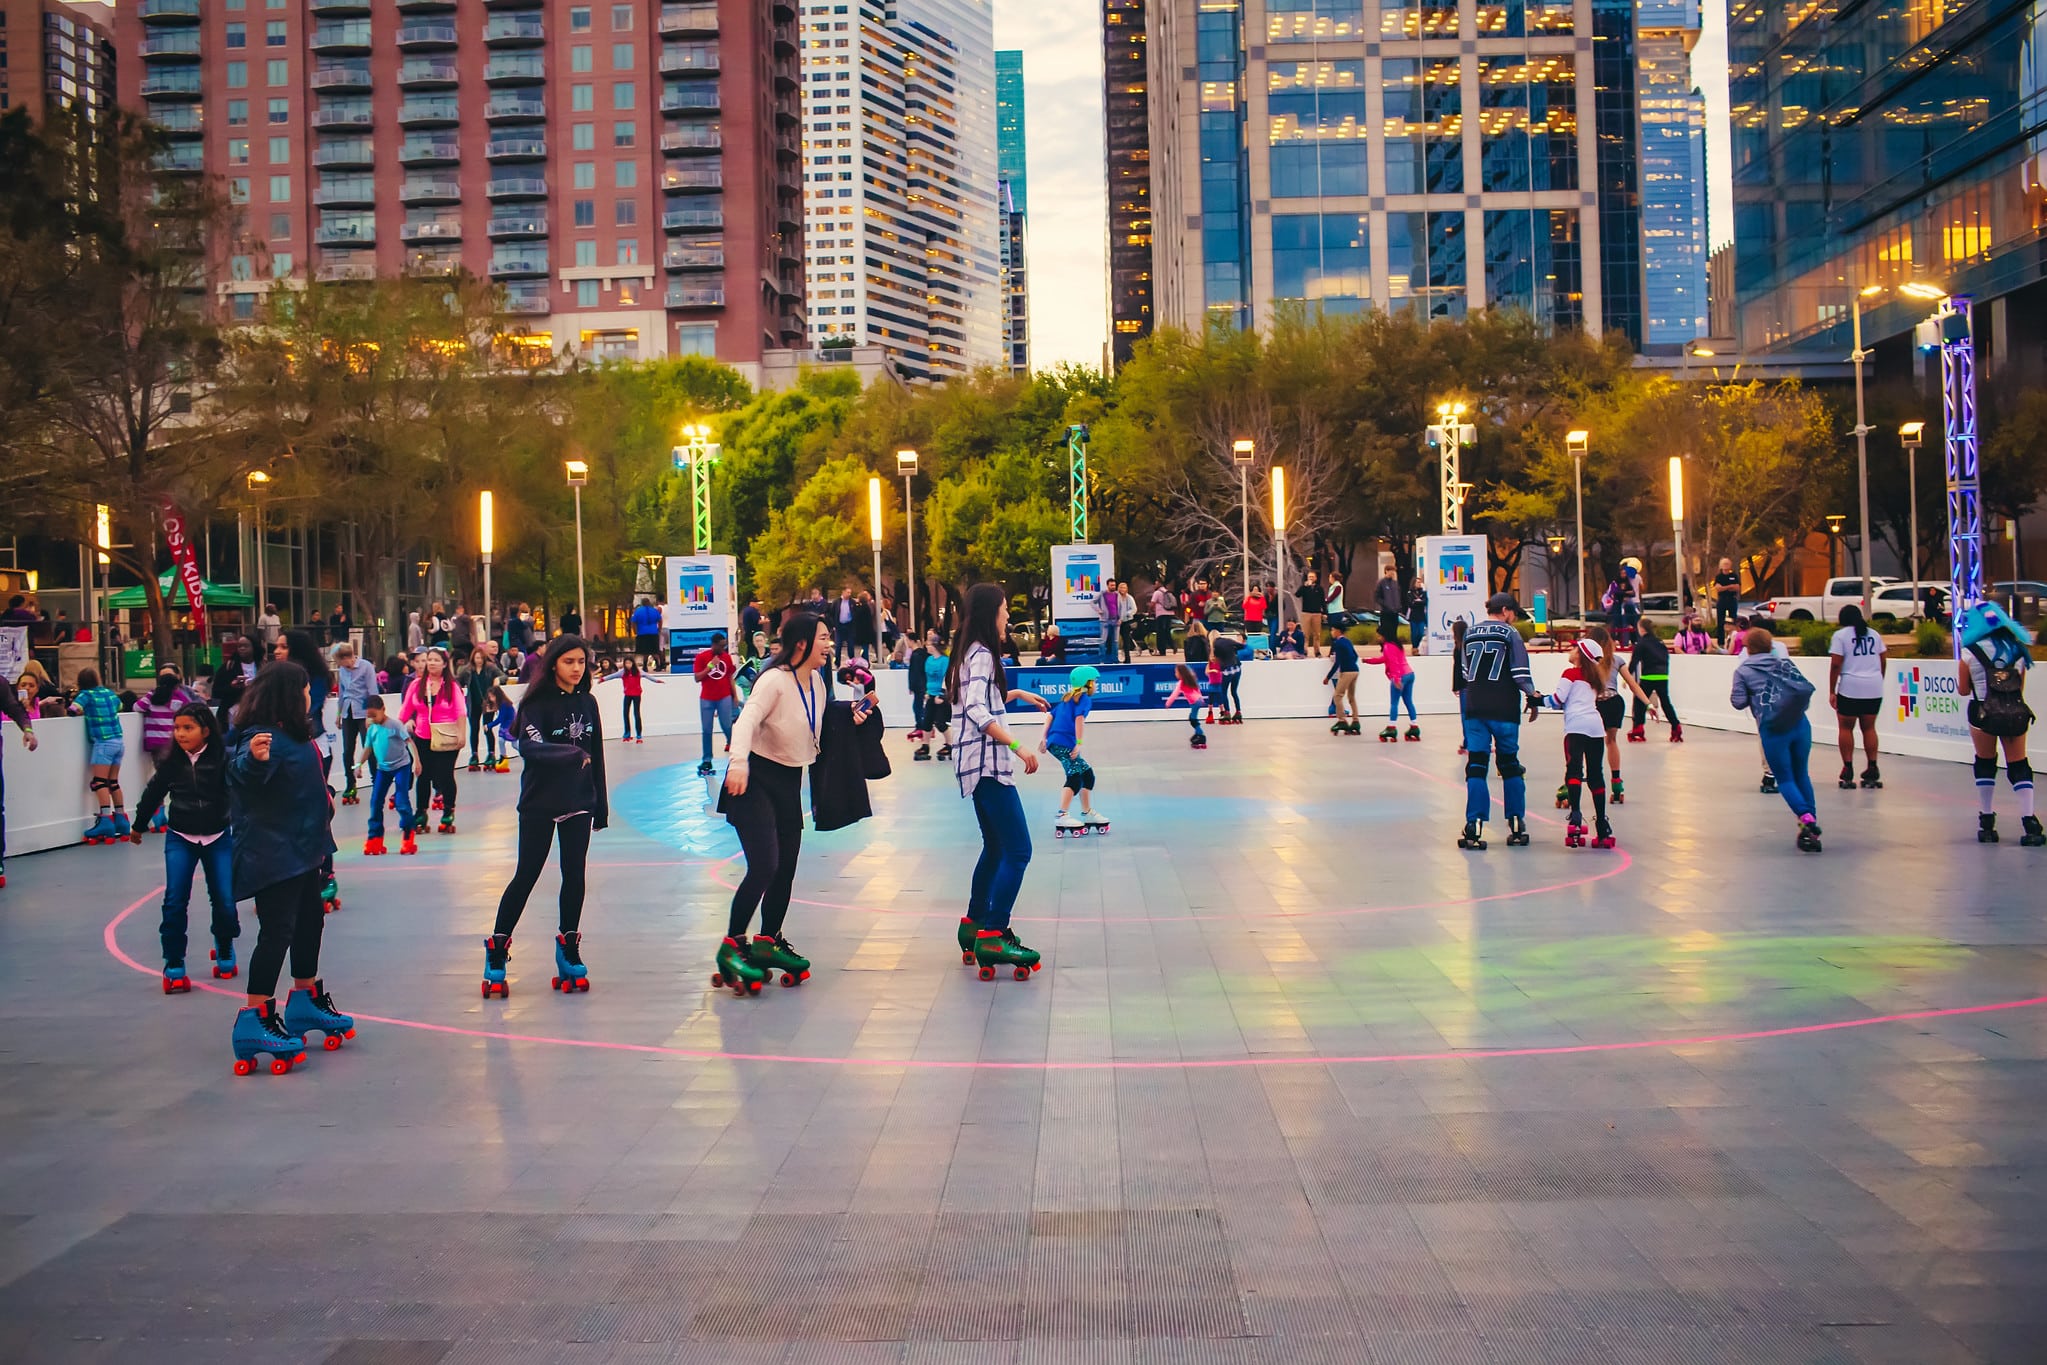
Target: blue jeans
[
  {"x": 1403, "y": 691},
  {"x": 722, "y": 711},
  {"x": 1005, "y": 853},
  {"x": 180, "y": 858},
  {"x": 1502, "y": 739},
  {"x": 397, "y": 782},
  {"x": 1787, "y": 755}
]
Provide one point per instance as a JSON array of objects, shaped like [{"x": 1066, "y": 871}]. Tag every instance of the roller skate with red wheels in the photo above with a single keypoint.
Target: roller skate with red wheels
[
  {"x": 736, "y": 970},
  {"x": 411, "y": 843},
  {"x": 223, "y": 955},
  {"x": 1677, "y": 733},
  {"x": 497, "y": 952},
  {"x": 160, "y": 821},
  {"x": 373, "y": 847},
  {"x": 101, "y": 830},
  {"x": 259, "y": 1036},
  {"x": 1638, "y": 735},
  {"x": 1602, "y": 835},
  {"x": 313, "y": 1011},
  {"x": 175, "y": 982},
  {"x": 474, "y": 766},
  {"x": 1616, "y": 790},
  {"x": 995, "y": 948},
  {"x": 1564, "y": 797},
  {"x": 330, "y": 895},
  {"x": 122, "y": 829},
  {"x": 1389, "y": 735},
  {"x": 570, "y": 975},
  {"x": 349, "y": 795},
  {"x": 773, "y": 953},
  {"x": 437, "y": 802},
  {"x": 447, "y": 825},
  {"x": 1574, "y": 832},
  {"x": 1413, "y": 732},
  {"x": 967, "y": 930},
  {"x": 1354, "y": 728}
]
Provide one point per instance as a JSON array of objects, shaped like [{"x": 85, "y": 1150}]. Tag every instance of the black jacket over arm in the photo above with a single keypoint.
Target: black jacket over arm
[{"x": 848, "y": 755}]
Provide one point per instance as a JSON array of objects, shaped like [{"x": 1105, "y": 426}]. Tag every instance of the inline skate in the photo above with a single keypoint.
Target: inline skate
[
  {"x": 497, "y": 951},
  {"x": 2035, "y": 835},
  {"x": 1602, "y": 834},
  {"x": 736, "y": 970},
  {"x": 1986, "y": 829},
  {"x": 313, "y": 1010},
  {"x": 1389, "y": 734},
  {"x": 223, "y": 956},
  {"x": 259, "y": 1033},
  {"x": 1808, "y": 835},
  {"x": 1094, "y": 822},
  {"x": 774, "y": 953},
  {"x": 995, "y": 948},
  {"x": 1517, "y": 832},
  {"x": 1066, "y": 824},
  {"x": 1872, "y": 780},
  {"x": 1414, "y": 732},
  {"x": 175, "y": 982},
  {"x": 1473, "y": 835},
  {"x": 570, "y": 975},
  {"x": 1847, "y": 779}
]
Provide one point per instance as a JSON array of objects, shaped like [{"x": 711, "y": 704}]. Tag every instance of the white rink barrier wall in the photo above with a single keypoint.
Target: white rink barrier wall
[{"x": 49, "y": 805}]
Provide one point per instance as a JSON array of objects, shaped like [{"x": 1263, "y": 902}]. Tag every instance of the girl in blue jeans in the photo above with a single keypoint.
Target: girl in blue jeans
[
  {"x": 984, "y": 761},
  {"x": 193, "y": 774}
]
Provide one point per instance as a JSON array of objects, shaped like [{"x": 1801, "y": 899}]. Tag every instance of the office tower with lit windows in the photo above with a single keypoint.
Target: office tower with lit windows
[
  {"x": 1878, "y": 147},
  {"x": 1013, "y": 208},
  {"x": 627, "y": 170},
  {"x": 904, "y": 235},
  {"x": 1335, "y": 155},
  {"x": 1009, "y": 127},
  {"x": 1673, "y": 152},
  {"x": 57, "y": 57},
  {"x": 1126, "y": 112}
]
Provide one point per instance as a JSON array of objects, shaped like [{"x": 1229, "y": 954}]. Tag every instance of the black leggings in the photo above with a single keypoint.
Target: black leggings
[
  {"x": 351, "y": 734},
  {"x": 480, "y": 727},
  {"x": 1584, "y": 766},
  {"x": 631, "y": 721},
  {"x": 769, "y": 821},
  {"x": 290, "y": 918},
  {"x": 1660, "y": 689},
  {"x": 436, "y": 773},
  {"x": 536, "y": 833}
]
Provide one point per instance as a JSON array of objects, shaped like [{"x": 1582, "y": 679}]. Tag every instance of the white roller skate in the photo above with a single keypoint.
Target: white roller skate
[
  {"x": 1094, "y": 822},
  {"x": 1066, "y": 824}
]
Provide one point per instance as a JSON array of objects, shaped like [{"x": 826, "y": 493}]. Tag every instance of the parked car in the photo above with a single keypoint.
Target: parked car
[
  {"x": 1825, "y": 607},
  {"x": 1908, "y": 600}
]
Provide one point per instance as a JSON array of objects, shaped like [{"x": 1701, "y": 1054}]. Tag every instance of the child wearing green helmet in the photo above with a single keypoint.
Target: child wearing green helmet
[{"x": 1062, "y": 741}]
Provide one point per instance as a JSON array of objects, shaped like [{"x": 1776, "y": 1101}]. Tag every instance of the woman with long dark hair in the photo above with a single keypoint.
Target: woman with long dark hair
[
  {"x": 279, "y": 811},
  {"x": 298, "y": 646},
  {"x": 978, "y": 688},
  {"x": 434, "y": 710},
  {"x": 561, "y": 798},
  {"x": 775, "y": 740},
  {"x": 1855, "y": 686}
]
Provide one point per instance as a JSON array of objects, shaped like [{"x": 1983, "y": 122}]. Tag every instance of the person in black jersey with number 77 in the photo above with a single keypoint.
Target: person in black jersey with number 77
[{"x": 1493, "y": 663}]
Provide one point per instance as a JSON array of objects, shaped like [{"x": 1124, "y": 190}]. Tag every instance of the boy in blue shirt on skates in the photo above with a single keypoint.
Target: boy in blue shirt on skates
[{"x": 389, "y": 749}]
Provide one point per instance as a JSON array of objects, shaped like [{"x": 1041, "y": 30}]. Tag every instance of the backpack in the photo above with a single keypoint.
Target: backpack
[
  {"x": 1784, "y": 705},
  {"x": 2003, "y": 712}
]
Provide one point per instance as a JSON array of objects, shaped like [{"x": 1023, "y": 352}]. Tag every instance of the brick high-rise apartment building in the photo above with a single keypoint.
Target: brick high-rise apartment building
[
  {"x": 55, "y": 56},
  {"x": 628, "y": 170}
]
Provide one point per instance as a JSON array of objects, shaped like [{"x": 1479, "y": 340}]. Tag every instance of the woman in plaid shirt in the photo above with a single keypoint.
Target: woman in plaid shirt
[{"x": 979, "y": 691}]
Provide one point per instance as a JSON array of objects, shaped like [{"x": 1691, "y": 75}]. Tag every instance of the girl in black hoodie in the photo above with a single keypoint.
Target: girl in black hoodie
[
  {"x": 193, "y": 774},
  {"x": 561, "y": 796}
]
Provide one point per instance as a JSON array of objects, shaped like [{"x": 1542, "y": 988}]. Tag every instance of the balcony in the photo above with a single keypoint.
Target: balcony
[
  {"x": 788, "y": 215},
  {"x": 423, "y": 6},
  {"x": 508, "y": 227},
  {"x": 176, "y": 44},
  {"x": 692, "y": 179},
  {"x": 690, "y": 99},
  {"x": 342, "y": 272},
  {"x": 695, "y": 295},
  {"x": 514, "y": 109},
  {"x": 412, "y": 37},
  {"x": 689, "y": 20},
  {"x": 339, "y": 78},
  {"x": 430, "y": 189},
  {"x": 170, "y": 11},
  {"x": 349, "y": 36},
  {"x": 357, "y": 192},
  {"x": 518, "y": 265},
  {"x": 693, "y": 258},
  {"x": 177, "y": 83},
  {"x": 430, "y": 152},
  {"x": 429, "y": 113},
  {"x": 180, "y": 120},
  {"x": 420, "y": 73},
  {"x": 350, "y": 118},
  {"x": 346, "y": 234},
  {"x": 515, "y": 30},
  {"x": 517, "y": 149},
  {"x": 345, "y": 152},
  {"x": 432, "y": 230},
  {"x": 188, "y": 160},
  {"x": 689, "y": 61},
  {"x": 517, "y": 187},
  {"x": 433, "y": 264},
  {"x": 322, "y": 8},
  {"x": 789, "y": 184},
  {"x": 785, "y": 40},
  {"x": 518, "y": 68},
  {"x": 689, "y": 138},
  {"x": 693, "y": 220},
  {"x": 525, "y": 301}
]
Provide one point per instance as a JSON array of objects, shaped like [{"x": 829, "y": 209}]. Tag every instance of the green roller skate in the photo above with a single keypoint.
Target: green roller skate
[
  {"x": 966, "y": 937},
  {"x": 772, "y": 953},
  {"x": 999, "y": 948},
  {"x": 736, "y": 970}
]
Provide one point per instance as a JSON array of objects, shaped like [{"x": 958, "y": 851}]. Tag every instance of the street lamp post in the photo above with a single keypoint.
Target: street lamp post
[
  {"x": 697, "y": 453},
  {"x": 1929, "y": 293},
  {"x": 1834, "y": 520},
  {"x": 1911, "y": 435},
  {"x": 874, "y": 535},
  {"x": 906, "y": 465},
  {"x": 1579, "y": 443},
  {"x": 579, "y": 474},
  {"x": 1677, "y": 525},
  {"x": 258, "y": 482},
  {"x": 1279, "y": 536},
  {"x": 1450, "y": 434},
  {"x": 486, "y": 541},
  {"x": 1243, "y": 451}
]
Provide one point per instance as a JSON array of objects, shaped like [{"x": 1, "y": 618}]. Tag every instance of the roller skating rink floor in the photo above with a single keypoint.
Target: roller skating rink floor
[{"x": 1301, "y": 1083}]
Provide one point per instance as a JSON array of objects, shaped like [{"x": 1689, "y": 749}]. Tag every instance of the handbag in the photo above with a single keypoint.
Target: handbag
[{"x": 443, "y": 736}]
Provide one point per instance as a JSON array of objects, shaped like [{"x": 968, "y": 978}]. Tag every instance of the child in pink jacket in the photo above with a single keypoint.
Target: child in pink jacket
[{"x": 1399, "y": 688}]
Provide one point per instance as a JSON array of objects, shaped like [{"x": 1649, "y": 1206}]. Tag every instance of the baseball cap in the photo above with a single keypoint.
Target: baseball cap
[{"x": 1501, "y": 601}]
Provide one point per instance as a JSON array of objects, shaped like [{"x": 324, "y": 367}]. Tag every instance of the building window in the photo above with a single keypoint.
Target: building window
[
  {"x": 583, "y": 137},
  {"x": 274, "y": 34},
  {"x": 280, "y": 265},
  {"x": 586, "y": 253},
  {"x": 1424, "y": 125},
  {"x": 280, "y": 227},
  {"x": 624, "y": 95},
  {"x": 237, "y": 75},
  {"x": 625, "y": 133},
  {"x": 280, "y": 111},
  {"x": 579, "y": 19},
  {"x": 241, "y": 307},
  {"x": 621, "y": 18},
  {"x": 580, "y": 58},
  {"x": 696, "y": 338},
  {"x": 279, "y": 72},
  {"x": 1317, "y": 128},
  {"x": 625, "y": 213},
  {"x": 1323, "y": 259},
  {"x": 237, "y": 36},
  {"x": 238, "y": 151},
  {"x": 586, "y": 293},
  {"x": 238, "y": 191},
  {"x": 280, "y": 151},
  {"x": 625, "y": 174},
  {"x": 586, "y": 175},
  {"x": 237, "y": 113},
  {"x": 236, "y": 5},
  {"x": 586, "y": 213},
  {"x": 628, "y": 251},
  {"x": 280, "y": 189},
  {"x": 1425, "y": 262},
  {"x": 582, "y": 98},
  {"x": 1533, "y": 264},
  {"x": 621, "y": 56},
  {"x": 628, "y": 293}
]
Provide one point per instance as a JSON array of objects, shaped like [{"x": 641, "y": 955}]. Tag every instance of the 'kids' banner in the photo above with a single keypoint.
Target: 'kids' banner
[{"x": 1453, "y": 570}]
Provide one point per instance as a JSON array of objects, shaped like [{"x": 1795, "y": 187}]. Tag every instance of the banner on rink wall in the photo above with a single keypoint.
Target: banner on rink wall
[{"x": 703, "y": 599}]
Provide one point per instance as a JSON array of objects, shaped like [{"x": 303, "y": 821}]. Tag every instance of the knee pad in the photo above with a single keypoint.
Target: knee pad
[
  {"x": 2020, "y": 772},
  {"x": 1509, "y": 765},
  {"x": 1075, "y": 781},
  {"x": 1986, "y": 770},
  {"x": 1087, "y": 779},
  {"x": 1474, "y": 767},
  {"x": 102, "y": 784}
]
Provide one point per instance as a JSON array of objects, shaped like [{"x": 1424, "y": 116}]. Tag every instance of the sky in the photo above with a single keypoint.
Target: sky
[{"x": 1068, "y": 230}]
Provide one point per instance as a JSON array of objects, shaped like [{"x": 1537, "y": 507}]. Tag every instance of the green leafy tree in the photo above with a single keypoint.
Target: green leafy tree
[{"x": 821, "y": 538}]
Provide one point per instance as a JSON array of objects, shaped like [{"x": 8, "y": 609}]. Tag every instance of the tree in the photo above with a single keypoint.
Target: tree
[
  {"x": 821, "y": 538},
  {"x": 994, "y": 520}
]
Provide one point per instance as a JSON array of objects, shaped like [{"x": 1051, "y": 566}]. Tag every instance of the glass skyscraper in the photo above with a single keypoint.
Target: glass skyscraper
[{"x": 1009, "y": 127}]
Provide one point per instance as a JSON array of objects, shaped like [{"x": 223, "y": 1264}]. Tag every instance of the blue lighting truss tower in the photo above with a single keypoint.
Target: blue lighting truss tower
[{"x": 1964, "y": 493}]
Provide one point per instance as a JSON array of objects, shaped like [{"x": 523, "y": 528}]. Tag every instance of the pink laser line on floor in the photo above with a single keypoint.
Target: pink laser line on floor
[{"x": 110, "y": 937}]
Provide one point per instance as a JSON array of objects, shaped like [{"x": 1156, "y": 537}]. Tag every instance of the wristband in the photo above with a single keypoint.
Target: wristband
[{"x": 1015, "y": 747}]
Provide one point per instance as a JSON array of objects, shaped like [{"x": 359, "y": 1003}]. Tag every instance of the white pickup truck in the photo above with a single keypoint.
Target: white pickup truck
[{"x": 1826, "y": 607}]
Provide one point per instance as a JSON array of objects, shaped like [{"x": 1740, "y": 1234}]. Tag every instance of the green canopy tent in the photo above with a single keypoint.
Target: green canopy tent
[{"x": 135, "y": 598}]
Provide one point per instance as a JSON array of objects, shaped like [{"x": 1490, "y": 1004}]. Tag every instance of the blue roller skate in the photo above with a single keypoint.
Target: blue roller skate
[
  {"x": 223, "y": 958},
  {"x": 569, "y": 972},
  {"x": 101, "y": 830},
  {"x": 160, "y": 821},
  {"x": 122, "y": 829},
  {"x": 175, "y": 982},
  {"x": 260, "y": 1033},
  {"x": 497, "y": 951},
  {"x": 307, "y": 1011}
]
